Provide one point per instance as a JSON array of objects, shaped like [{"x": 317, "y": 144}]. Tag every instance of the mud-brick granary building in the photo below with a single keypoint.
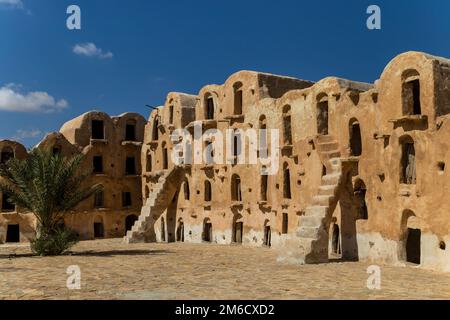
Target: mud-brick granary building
[
  {"x": 362, "y": 168},
  {"x": 112, "y": 148}
]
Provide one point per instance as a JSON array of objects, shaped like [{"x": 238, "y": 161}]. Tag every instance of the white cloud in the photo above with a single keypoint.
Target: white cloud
[
  {"x": 17, "y": 4},
  {"x": 27, "y": 134},
  {"x": 38, "y": 101},
  {"x": 89, "y": 49}
]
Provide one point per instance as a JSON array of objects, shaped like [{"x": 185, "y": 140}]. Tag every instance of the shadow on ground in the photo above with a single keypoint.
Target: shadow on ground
[{"x": 92, "y": 253}]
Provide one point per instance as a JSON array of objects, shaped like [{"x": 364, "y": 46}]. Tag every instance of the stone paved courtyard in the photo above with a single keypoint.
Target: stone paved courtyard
[{"x": 112, "y": 270}]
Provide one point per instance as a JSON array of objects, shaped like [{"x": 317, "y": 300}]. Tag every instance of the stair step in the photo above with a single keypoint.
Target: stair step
[
  {"x": 323, "y": 200},
  {"x": 332, "y": 154},
  {"x": 316, "y": 211},
  {"x": 326, "y": 190},
  {"x": 331, "y": 179},
  {"x": 308, "y": 232},
  {"x": 327, "y": 138},
  {"x": 311, "y": 221},
  {"x": 328, "y": 146}
]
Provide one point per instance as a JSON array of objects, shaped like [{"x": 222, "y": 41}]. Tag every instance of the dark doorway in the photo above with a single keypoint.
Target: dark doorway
[
  {"x": 163, "y": 230},
  {"x": 98, "y": 131},
  {"x": 335, "y": 243},
  {"x": 170, "y": 114},
  {"x": 322, "y": 118},
  {"x": 130, "y": 166},
  {"x": 13, "y": 233},
  {"x": 355, "y": 140},
  {"x": 98, "y": 230},
  {"x": 130, "y": 132},
  {"x": 413, "y": 246},
  {"x": 129, "y": 222},
  {"x": 180, "y": 231},
  {"x": 238, "y": 232},
  {"x": 360, "y": 198},
  {"x": 267, "y": 236},
  {"x": 236, "y": 194},
  {"x": 207, "y": 232}
]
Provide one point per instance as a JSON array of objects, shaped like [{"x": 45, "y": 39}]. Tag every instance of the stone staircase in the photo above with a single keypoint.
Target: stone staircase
[
  {"x": 312, "y": 231},
  {"x": 168, "y": 184}
]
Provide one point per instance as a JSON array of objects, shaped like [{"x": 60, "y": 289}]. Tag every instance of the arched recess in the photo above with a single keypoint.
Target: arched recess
[
  {"x": 287, "y": 125},
  {"x": 236, "y": 192},
  {"x": 286, "y": 181},
  {"x": 180, "y": 230},
  {"x": 410, "y": 237},
  {"x": 359, "y": 192}
]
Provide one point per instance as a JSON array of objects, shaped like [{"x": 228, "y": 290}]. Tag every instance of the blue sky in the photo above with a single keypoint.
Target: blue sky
[{"x": 144, "y": 49}]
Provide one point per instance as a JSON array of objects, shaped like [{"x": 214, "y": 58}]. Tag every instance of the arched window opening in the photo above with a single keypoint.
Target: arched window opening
[
  {"x": 360, "y": 196},
  {"x": 208, "y": 191},
  {"x": 99, "y": 199},
  {"x": 98, "y": 130},
  {"x": 187, "y": 192},
  {"x": 7, "y": 205},
  {"x": 322, "y": 116},
  {"x": 130, "y": 166},
  {"x": 264, "y": 186},
  {"x": 285, "y": 224},
  {"x": 238, "y": 229},
  {"x": 355, "y": 139},
  {"x": 209, "y": 107},
  {"x": 263, "y": 139},
  {"x": 7, "y": 154},
  {"x": 155, "y": 130},
  {"x": 236, "y": 193},
  {"x": 408, "y": 161},
  {"x": 130, "y": 130},
  {"x": 170, "y": 114},
  {"x": 286, "y": 182},
  {"x": 148, "y": 165},
  {"x": 165, "y": 157},
  {"x": 287, "y": 126},
  {"x": 238, "y": 98}
]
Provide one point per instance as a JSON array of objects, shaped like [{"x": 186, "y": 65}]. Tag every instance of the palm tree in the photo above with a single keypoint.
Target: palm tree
[{"x": 49, "y": 186}]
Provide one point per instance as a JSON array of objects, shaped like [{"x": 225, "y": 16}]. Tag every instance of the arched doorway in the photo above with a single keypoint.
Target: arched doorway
[
  {"x": 355, "y": 138},
  {"x": 238, "y": 229},
  {"x": 180, "y": 230},
  {"x": 359, "y": 193},
  {"x": 129, "y": 222},
  {"x": 207, "y": 230},
  {"x": 267, "y": 234},
  {"x": 335, "y": 240}
]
